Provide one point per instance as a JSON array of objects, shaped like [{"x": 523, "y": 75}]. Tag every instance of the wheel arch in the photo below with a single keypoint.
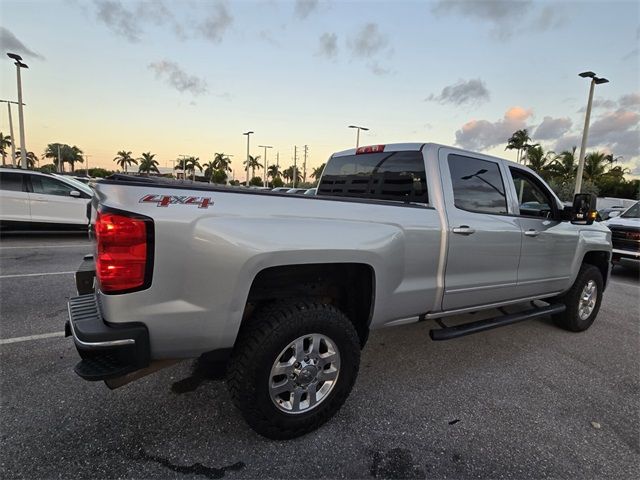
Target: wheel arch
[
  {"x": 348, "y": 286},
  {"x": 600, "y": 259}
]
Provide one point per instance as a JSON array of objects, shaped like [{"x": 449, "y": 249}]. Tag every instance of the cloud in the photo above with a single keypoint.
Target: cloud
[
  {"x": 552, "y": 128},
  {"x": 217, "y": 23},
  {"x": 619, "y": 131},
  {"x": 11, "y": 43},
  {"x": 120, "y": 20},
  {"x": 304, "y": 8},
  {"x": 178, "y": 78},
  {"x": 503, "y": 15},
  {"x": 567, "y": 142},
  {"x": 368, "y": 41},
  {"x": 268, "y": 37},
  {"x": 378, "y": 69},
  {"x": 616, "y": 131},
  {"x": 328, "y": 45},
  {"x": 548, "y": 19},
  {"x": 631, "y": 100},
  {"x": 482, "y": 134},
  {"x": 600, "y": 103},
  {"x": 465, "y": 91}
]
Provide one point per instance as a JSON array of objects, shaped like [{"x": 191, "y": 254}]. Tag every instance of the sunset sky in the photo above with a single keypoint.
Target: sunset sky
[{"x": 189, "y": 77}]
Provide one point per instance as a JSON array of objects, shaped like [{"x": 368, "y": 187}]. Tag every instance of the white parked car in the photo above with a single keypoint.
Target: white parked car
[{"x": 31, "y": 199}]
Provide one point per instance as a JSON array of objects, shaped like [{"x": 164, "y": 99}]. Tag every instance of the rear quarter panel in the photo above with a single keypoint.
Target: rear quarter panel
[{"x": 207, "y": 259}]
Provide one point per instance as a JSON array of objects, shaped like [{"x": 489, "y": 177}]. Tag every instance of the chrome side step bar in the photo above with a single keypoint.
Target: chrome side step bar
[{"x": 448, "y": 333}]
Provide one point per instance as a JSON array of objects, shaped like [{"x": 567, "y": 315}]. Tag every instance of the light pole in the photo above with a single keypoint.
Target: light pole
[
  {"x": 265, "y": 162},
  {"x": 13, "y": 139},
  {"x": 594, "y": 81},
  {"x": 248, "y": 134},
  {"x": 358, "y": 133},
  {"x": 23, "y": 148}
]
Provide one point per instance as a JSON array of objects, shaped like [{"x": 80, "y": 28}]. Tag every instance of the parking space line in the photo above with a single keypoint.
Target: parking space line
[
  {"x": 35, "y": 274},
  {"x": 48, "y": 246},
  {"x": 5, "y": 341}
]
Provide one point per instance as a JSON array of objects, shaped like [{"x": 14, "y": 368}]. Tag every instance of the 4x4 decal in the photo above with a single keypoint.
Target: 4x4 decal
[{"x": 166, "y": 200}]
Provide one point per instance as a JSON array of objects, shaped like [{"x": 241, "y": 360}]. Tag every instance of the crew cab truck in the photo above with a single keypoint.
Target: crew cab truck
[{"x": 285, "y": 289}]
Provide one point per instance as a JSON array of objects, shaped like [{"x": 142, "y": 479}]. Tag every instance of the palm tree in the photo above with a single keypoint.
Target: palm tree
[
  {"x": 564, "y": 166},
  {"x": 73, "y": 155},
  {"x": 290, "y": 175},
  {"x": 273, "y": 171},
  {"x": 181, "y": 164},
  {"x": 538, "y": 160},
  {"x": 518, "y": 141},
  {"x": 32, "y": 158},
  {"x": 595, "y": 165},
  {"x": 611, "y": 159},
  {"x": 317, "y": 172},
  {"x": 57, "y": 152},
  {"x": 209, "y": 168},
  {"x": 124, "y": 159},
  {"x": 192, "y": 163},
  {"x": 5, "y": 142},
  {"x": 252, "y": 163},
  {"x": 221, "y": 161},
  {"x": 148, "y": 163}
]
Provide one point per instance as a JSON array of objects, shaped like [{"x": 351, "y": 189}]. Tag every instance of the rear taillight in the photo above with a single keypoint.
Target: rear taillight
[
  {"x": 370, "y": 149},
  {"x": 123, "y": 252}
]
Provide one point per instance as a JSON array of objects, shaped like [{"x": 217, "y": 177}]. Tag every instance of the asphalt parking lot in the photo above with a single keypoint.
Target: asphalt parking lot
[{"x": 525, "y": 401}]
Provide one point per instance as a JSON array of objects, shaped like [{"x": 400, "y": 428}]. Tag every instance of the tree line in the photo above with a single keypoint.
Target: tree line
[{"x": 601, "y": 175}]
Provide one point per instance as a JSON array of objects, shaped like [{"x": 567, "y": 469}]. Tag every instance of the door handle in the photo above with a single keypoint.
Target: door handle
[
  {"x": 532, "y": 233},
  {"x": 464, "y": 230}
]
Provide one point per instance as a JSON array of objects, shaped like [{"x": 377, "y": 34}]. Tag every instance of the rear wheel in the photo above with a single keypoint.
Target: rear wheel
[
  {"x": 582, "y": 300},
  {"x": 293, "y": 367}
]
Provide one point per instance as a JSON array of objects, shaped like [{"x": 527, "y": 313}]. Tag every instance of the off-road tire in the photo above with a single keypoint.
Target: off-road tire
[
  {"x": 570, "y": 319},
  {"x": 260, "y": 341}
]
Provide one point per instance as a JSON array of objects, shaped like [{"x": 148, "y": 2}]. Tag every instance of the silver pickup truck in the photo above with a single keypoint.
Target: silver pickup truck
[{"x": 284, "y": 289}]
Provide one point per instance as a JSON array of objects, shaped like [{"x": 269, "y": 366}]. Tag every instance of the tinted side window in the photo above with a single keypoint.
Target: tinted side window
[
  {"x": 49, "y": 186},
  {"x": 11, "y": 181},
  {"x": 532, "y": 198},
  {"x": 382, "y": 176},
  {"x": 477, "y": 185}
]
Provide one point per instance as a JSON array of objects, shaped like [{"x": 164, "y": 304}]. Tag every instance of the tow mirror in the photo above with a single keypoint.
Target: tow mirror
[{"x": 584, "y": 209}]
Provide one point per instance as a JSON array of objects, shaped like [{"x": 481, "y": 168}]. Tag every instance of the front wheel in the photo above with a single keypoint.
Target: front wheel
[
  {"x": 293, "y": 367},
  {"x": 582, "y": 300}
]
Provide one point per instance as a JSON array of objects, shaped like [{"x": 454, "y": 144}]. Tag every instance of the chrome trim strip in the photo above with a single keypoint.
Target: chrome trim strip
[
  {"x": 626, "y": 252},
  {"x": 110, "y": 343},
  {"x": 483, "y": 287},
  {"x": 487, "y": 306},
  {"x": 544, "y": 280}
]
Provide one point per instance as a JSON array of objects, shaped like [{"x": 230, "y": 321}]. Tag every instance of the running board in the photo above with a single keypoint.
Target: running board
[{"x": 448, "y": 333}]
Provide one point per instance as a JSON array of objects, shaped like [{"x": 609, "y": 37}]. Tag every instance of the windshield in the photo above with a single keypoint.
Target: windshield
[
  {"x": 633, "y": 212},
  {"x": 76, "y": 183}
]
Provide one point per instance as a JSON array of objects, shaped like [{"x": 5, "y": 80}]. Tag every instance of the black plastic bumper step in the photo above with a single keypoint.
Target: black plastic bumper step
[
  {"x": 102, "y": 367},
  {"x": 448, "y": 333}
]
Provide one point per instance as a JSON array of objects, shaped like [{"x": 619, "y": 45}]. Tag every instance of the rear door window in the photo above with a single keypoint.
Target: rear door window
[
  {"x": 11, "y": 181},
  {"x": 398, "y": 176},
  {"x": 477, "y": 185}
]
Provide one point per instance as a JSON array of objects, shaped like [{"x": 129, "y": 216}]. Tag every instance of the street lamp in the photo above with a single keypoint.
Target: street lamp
[
  {"x": 358, "y": 134},
  {"x": 13, "y": 139},
  {"x": 265, "y": 162},
  {"x": 594, "y": 81},
  {"x": 23, "y": 148},
  {"x": 248, "y": 134}
]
